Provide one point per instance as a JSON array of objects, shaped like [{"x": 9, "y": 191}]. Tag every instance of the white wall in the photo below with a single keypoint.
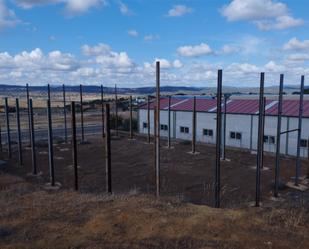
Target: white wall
[{"x": 234, "y": 123}]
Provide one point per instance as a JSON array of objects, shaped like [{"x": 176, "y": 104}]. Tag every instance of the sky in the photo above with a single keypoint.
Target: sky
[{"x": 109, "y": 42}]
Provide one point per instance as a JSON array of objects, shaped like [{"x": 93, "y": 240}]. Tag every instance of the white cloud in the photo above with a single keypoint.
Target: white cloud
[
  {"x": 133, "y": 33},
  {"x": 72, "y": 7},
  {"x": 177, "y": 64},
  {"x": 105, "y": 56},
  {"x": 124, "y": 9},
  {"x": 179, "y": 10},
  {"x": 266, "y": 14},
  {"x": 272, "y": 66},
  {"x": 151, "y": 37},
  {"x": 7, "y": 17},
  {"x": 299, "y": 57},
  {"x": 295, "y": 44},
  {"x": 229, "y": 49},
  {"x": 194, "y": 51}
]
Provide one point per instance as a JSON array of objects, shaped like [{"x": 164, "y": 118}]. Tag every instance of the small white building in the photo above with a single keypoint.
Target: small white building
[{"x": 241, "y": 122}]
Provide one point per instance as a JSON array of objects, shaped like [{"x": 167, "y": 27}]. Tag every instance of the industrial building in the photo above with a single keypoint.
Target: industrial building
[{"x": 241, "y": 122}]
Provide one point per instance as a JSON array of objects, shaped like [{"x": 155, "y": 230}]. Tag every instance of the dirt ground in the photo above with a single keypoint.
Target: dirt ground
[{"x": 34, "y": 217}]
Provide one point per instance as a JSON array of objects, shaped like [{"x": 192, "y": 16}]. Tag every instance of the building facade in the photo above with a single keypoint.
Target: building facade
[{"x": 241, "y": 123}]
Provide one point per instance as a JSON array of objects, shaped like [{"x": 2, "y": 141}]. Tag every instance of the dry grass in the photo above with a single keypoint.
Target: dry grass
[{"x": 30, "y": 217}]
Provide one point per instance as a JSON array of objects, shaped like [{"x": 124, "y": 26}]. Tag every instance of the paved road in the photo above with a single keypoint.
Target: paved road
[{"x": 42, "y": 134}]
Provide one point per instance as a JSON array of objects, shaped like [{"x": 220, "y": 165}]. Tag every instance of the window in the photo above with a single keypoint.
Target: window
[
  {"x": 145, "y": 125},
  {"x": 163, "y": 127},
  {"x": 303, "y": 143},
  {"x": 184, "y": 129},
  {"x": 235, "y": 135},
  {"x": 269, "y": 139},
  {"x": 208, "y": 132}
]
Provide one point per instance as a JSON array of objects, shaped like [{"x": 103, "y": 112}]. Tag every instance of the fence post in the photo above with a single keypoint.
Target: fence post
[
  {"x": 108, "y": 150},
  {"x": 65, "y": 115},
  {"x": 102, "y": 109},
  {"x": 81, "y": 111},
  {"x": 131, "y": 118},
  {"x": 28, "y": 112},
  {"x": 74, "y": 145},
  {"x": 48, "y": 91},
  {"x": 50, "y": 145},
  {"x": 218, "y": 141},
  {"x": 169, "y": 123},
  {"x": 277, "y": 169},
  {"x": 32, "y": 139},
  {"x": 7, "y": 117},
  {"x": 148, "y": 118},
  {"x": 0, "y": 139},
  {"x": 224, "y": 130},
  {"x": 19, "y": 140},
  {"x": 300, "y": 116},
  {"x": 194, "y": 126},
  {"x": 260, "y": 142},
  {"x": 157, "y": 118},
  {"x": 116, "y": 110}
]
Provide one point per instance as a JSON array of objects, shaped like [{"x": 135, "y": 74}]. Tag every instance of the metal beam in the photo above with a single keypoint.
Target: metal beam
[
  {"x": 19, "y": 141},
  {"x": 148, "y": 119},
  {"x": 74, "y": 145},
  {"x": 8, "y": 130},
  {"x": 116, "y": 110},
  {"x": 32, "y": 139},
  {"x": 169, "y": 123},
  {"x": 65, "y": 114},
  {"x": 81, "y": 111},
  {"x": 260, "y": 142},
  {"x": 131, "y": 117},
  {"x": 218, "y": 142},
  {"x": 157, "y": 118},
  {"x": 194, "y": 126},
  {"x": 102, "y": 110},
  {"x": 50, "y": 145}
]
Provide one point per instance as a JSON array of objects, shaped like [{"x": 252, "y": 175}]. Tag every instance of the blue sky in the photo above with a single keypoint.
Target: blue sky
[{"x": 111, "y": 41}]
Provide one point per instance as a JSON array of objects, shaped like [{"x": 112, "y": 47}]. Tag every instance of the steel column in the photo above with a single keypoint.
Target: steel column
[
  {"x": 300, "y": 116},
  {"x": 194, "y": 126},
  {"x": 108, "y": 162},
  {"x": 131, "y": 118},
  {"x": 224, "y": 130},
  {"x": 148, "y": 118},
  {"x": 116, "y": 110},
  {"x": 19, "y": 141},
  {"x": 28, "y": 111},
  {"x": 260, "y": 142},
  {"x": 218, "y": 141},
  {"x": 74, "y": 145},
  {"x": 102, "y": 109},
  {"x": 169, "y": 123},
  {"x": 81, "y": 111},
  {"x": 65, "y": 115},
  {"x": 32, "y": 139},
  {"x": 50, "y": 145},
  {"x": 8, "y": 130},
  {"x": 0, "y": 139},
  {"x": 263, "y": 132},
  {"x": 278, "y": 142},
  {"x": 157, "y": 118},
  {"x": 48, "y": 91}
]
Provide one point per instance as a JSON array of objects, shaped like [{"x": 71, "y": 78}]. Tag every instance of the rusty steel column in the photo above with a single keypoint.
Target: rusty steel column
[
  {"x": 32, "y": 139},
  {"x": 278, "y": 139},
  {"x": 8, "y": 130},
  {"x": 65, "y": 115},
  {"x": 300, "y": 116},
  {"x": 148, "y": 119},
  {"x": 108, "y": 162},
  {"x": 81, "y": 111},
  {"x": 218, "y": 141},
  {"x": 19, "y": 140},
  {"x": 260, "y": 142},
  {"x": 102, "y": 110},
  {"x": 131, "y": 118},
  {"x": 74, "y": 145},
  {"x": 116, "y": 111},
  {"x": 157, "y": 118},
  {"x": 194, "y": 126},
  {"x": 169, "y": 123}
]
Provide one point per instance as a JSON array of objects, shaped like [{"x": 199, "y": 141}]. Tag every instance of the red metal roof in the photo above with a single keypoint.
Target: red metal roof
[{"x": 235, "y": 106}]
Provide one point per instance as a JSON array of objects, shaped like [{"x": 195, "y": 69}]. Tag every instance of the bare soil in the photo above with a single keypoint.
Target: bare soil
[{"x": 33, "y": 216}]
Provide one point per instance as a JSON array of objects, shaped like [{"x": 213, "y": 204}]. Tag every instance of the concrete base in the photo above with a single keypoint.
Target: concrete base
[
  {"x": 300, "y": 187},
  {"x": 64, "y": 149},
  {"x": 48, "y": 186},
  {"x": 276, "y": 199},
  {"x": 225, "y": 160},
  {"x": 169, "y": 148},
  {"x": 43, "y": 152},
  {"x": 151, "y": 143},
  {"x": 58, "y": 158},
  {"x": 253, "y": 152},
  {"x": 262, "y": 169},
  {"x": 194, "y": 153},
  {"x": 252, "y": 204},
  {"x": 131, "y": 139}
]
